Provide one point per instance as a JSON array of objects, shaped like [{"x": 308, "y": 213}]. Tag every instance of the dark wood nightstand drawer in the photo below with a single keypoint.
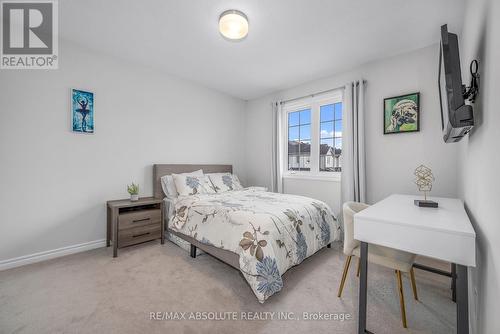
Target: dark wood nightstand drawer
[
  {"x": 135, "y": 235},
  {"x": 139, "y": 218}
]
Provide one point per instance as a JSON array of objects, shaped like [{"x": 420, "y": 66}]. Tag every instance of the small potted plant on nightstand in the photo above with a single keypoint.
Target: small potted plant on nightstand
[{"x": 133, "y": 190}]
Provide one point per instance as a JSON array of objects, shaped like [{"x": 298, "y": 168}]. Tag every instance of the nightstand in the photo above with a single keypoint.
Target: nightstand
[{"x": 131, "y": 223}]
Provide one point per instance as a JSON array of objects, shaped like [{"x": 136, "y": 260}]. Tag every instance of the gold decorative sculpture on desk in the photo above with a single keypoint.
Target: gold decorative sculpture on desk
[{"x": 424, "y": 178}]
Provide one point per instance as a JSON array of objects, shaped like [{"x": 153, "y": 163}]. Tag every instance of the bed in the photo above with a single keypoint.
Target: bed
[{"x": 261, "y": 234}]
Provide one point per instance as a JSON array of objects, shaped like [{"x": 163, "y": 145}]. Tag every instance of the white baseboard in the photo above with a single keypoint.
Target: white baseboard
[{"x": 51, "y": 254}]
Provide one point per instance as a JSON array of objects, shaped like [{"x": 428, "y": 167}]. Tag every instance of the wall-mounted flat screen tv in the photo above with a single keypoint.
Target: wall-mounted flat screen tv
[{"x": 457, "y": 118}]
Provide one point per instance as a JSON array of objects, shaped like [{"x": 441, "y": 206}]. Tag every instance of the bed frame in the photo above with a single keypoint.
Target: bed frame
[{"x": 160, "y": 170}]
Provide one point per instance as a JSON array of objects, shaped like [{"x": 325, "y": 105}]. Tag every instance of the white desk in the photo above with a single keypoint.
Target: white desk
[{"x": 443, "y": 233}]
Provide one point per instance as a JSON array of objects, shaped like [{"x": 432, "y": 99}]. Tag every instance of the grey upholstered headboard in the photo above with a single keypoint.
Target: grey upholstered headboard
[{"x": 160, "y": 170}]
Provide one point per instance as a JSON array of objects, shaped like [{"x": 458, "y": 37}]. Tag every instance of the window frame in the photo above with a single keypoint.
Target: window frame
[{"x": 313, "y": 103}]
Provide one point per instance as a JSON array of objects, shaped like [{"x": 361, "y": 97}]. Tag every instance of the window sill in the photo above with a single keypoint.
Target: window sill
[{"x": 334, "y": 177}]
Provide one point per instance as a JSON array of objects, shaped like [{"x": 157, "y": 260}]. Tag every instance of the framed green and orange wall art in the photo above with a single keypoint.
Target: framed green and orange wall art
[{"x": 402, "y": 113}]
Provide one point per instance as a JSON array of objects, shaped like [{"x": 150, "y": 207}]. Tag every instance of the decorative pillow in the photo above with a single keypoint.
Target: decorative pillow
[
  {"x": 192, "y": 183},
  {"x": 223, "y": 182},
  {"x": 168, "y": 184}
]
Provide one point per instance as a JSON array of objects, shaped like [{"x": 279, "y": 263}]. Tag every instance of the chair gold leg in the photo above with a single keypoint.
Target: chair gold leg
[
  {"x": 359, "y": 267},
  {"x": 413, "y": 283},
  {"x": 344, "y": 275},
  {"x": 401, "y": 298}
]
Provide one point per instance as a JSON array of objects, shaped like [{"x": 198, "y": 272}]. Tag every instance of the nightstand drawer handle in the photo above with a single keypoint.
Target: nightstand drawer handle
[
  {"x": 140, "y": 235},
  {"x": 140, "y": 220}
]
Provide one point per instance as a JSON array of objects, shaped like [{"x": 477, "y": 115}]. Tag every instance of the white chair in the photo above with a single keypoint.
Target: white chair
[{"x": 397, "y": 260}]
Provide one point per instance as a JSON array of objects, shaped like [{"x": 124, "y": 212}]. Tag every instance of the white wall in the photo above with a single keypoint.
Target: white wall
[
  {"x": 479, "y": 176},
  {"x": 391, "y": 159},
  {"x": 55, "y": 182}
]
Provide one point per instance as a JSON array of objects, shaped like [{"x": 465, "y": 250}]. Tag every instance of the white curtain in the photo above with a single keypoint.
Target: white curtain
[
  {"x": 353, "y": 186},
  {"x": 277, "y": 149}
]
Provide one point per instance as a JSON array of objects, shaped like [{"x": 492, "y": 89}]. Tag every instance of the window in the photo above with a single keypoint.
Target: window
[
  {"x": 313, "y": 129},
  {"x": 330, "y": 135},
  {"x": 299, "y": 140}
]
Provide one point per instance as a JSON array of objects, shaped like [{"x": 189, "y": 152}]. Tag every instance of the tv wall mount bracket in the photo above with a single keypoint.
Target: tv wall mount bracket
[{"x": 470, "y": 92}]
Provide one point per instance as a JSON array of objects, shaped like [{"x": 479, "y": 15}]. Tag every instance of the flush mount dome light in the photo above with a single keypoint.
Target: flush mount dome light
[{"x": 233, "y": 24}]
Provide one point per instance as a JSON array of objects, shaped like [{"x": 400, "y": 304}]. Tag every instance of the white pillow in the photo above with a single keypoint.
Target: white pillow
[
  {"x": 225, "y": 182},
  {"x": 192, "y": 183},
  {"x": 168, "y": 186}
]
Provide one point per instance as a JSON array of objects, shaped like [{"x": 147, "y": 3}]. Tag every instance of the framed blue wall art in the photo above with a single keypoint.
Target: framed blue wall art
[{"x": 82, "y": 111}]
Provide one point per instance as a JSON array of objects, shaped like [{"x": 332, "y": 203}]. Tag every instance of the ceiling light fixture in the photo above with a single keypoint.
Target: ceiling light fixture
[{"x": 233, "y": 24}]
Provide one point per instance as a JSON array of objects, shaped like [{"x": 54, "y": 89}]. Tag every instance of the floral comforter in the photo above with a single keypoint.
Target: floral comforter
[{"x": 270, "y": 232}]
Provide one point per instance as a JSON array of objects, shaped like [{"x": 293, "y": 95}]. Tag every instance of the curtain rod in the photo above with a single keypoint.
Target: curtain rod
[{"x": 318, "y": 93}]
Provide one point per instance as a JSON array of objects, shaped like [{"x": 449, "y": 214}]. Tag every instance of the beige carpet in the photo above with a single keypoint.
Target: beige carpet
[{"x": 91, "y": 292}]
